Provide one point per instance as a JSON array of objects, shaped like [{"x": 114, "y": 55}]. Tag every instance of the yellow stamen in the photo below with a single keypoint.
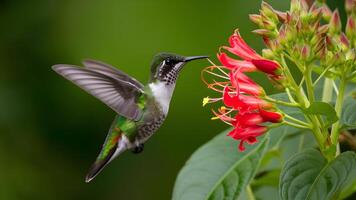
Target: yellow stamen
[
  {"x": 205, "y": 101},
  {"x": 223, "y": 108},
  {"x": 215, "y": 118}
]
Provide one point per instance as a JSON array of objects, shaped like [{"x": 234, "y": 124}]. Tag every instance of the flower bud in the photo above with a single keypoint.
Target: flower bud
[
  {"x": 351, "y": 54},
  {"x": 330, "y": 43},
  {"x": 257, "y": 19},
  {"x": 277, "y": 81},
  {"x": 267, "y": 66},
  {"x": 270, "y": 116},
  {"x": 326, "y": 12},
  {"x": 323, "y": 29},
  {"x": 282, "y": 16},
  {"x": 350, "y": 6},
  {"x": 304, "y": 5},
  {"x": 315, "y": 15},
  {"x": 267, "y": 22},
  {"x": 271, "y": 43},
  {"x": 344, "y": 41},
  {"x": 305, "y": 52},
  {"x": 268, "y": 11},
  {"x": 267, "y": 53},
  {"x": 350, "y": 27},
  {"x": 264, "y": 33},
  {"x": 335, "y": 23},
  {"x": 295, "y": 6}
]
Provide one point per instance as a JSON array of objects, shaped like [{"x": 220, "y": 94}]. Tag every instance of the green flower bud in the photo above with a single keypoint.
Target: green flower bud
[
  {"x": 257, "y": 19},
  {"x": 350, "y": 27},
  {"x": 264, "y": 33},
  {"x": 268, "y": 11},
  {"x": 282, "y": 35},
  {"x": 326, "y": 13},
  {"x": 295, "y": 6},
  {"x": 335, "y": 23},
  {"x": 350, "y": 6},
  {"x": 268, "y": 53}
]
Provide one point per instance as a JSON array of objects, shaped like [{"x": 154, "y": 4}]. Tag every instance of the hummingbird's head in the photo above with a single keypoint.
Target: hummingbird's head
[{"x": 165, "y": 67}]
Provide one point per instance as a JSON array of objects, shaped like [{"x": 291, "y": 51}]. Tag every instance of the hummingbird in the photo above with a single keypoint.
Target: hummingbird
[{"x": 141, "y": 109}]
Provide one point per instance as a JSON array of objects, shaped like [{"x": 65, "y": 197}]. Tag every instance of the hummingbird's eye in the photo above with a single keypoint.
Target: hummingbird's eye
[{"x": 168, "y": 61}]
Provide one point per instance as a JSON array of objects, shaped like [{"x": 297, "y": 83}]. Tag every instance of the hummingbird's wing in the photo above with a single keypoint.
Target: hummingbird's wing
[
  {"x": 120, "y": 95},
  {"x": 109, "y": 70}
]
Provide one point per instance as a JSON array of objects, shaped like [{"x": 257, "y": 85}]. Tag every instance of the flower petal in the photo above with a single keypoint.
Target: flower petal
[{"x": 241, "y": 65}]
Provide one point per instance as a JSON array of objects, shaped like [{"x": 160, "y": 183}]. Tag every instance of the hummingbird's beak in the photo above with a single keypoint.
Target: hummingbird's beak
[{"x": 190, "y": 58}]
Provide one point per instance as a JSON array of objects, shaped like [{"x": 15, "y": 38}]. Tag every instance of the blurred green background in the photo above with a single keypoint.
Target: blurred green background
[{"x": 51, "y": 131}]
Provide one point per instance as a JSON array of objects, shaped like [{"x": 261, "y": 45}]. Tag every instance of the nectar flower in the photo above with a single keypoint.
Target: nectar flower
[{"x": 244, "y": 109}]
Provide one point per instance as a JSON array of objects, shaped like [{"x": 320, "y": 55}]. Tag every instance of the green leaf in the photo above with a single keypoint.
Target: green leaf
[
  {"x": 308, "y": 175},
  {"x": 218, "y": 170},
  {"x": 325, "y": 109},
  {"x": 348, "y": 116}
]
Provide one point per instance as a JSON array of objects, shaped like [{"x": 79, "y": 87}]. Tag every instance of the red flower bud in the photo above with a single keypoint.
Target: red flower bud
[
  {"x": 269, "y": 116},
  {"x": 350, "y": 27},
  {"x": 344, "y": 40},
  {"x": 267, "y": 66},
  {"x": 335, "y": 22}
]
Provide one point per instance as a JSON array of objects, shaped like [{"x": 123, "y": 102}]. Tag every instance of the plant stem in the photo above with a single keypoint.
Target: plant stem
[
  {"x": 309, "y": 84},
  {"x": 327, "y": 90},
  {"x": 280, "y": 102},
  {"x": 322, "y": 75},
  {"x": 250, "y": 194},
  {"x": 338, "y": 109},
  {"x": 301, "y": 143},
  {"x": 296, "y": 120},
  {"x": 304, "y": 102},
  {"x": 295, "y": 125}
]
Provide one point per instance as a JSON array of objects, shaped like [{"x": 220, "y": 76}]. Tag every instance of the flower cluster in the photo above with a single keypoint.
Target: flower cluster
[
  {"x": 244, "y": 106},
  {"x": 307, "y": 33}
]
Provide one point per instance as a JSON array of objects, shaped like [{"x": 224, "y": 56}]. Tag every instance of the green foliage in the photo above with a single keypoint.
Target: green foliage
[
  {"x": 325, "y": 109},
  {"x": 308, "y": 175},
  {"x": 348, "y": 116},
  {"x": 217, "y": 171}
]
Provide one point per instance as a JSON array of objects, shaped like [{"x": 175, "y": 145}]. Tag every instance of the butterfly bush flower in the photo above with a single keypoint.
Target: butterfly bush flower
[{"x": 244, "y": 107}]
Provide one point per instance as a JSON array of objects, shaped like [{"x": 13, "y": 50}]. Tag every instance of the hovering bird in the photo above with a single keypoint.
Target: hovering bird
[{"x": 141, "y": 109}]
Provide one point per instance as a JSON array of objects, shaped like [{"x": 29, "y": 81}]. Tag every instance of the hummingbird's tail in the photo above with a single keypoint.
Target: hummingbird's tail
[{"x": 109, "y": 151}]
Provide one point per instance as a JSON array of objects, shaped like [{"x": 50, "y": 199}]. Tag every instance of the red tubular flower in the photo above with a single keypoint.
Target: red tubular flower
[
  {"x": 242, "y": 65},
  {"x": 247, "y": 134},
  {"x": 245, "y": 110},
  {"x": 247, "y": 119},
  {"x": 244, "y": 84},
  {"x": 243, "y": 103},
  {"x": 239, "y": 47}
]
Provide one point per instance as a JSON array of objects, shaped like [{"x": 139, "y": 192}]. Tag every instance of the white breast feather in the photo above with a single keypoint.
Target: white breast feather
[{"x": 162, "y": 94}]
